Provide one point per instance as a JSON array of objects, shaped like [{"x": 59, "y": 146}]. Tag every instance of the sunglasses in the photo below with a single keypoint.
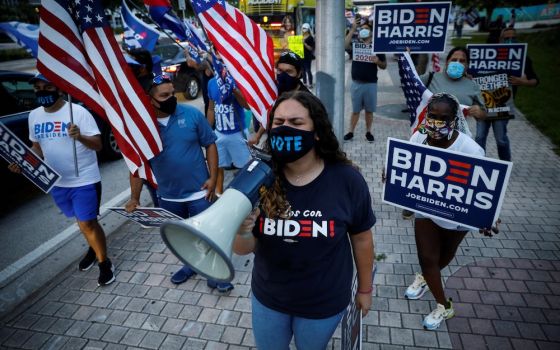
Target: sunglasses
[{"x": 161, "y": 79}]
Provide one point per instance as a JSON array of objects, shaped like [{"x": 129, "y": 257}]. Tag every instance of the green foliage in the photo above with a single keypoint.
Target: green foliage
[
  {"x": 539, "y": 103},
  {"x": 21, "y": 13}
]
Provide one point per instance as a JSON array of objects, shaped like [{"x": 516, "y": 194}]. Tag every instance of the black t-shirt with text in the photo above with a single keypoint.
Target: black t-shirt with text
[
  {"x": 365, "y": 72},
  {"x": 303, "y": 265}
]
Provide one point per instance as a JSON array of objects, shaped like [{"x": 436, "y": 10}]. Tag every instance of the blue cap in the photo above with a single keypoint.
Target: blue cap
[{"x": 39, "y": 76}]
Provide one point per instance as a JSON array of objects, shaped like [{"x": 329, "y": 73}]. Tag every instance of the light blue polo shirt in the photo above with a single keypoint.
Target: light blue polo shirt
[{"x": 181, "y": 169}]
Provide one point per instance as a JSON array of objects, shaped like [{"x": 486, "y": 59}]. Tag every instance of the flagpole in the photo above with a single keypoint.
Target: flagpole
[
  {"x": 76, "y": 172},
  {"x": 154, "y": 23}
]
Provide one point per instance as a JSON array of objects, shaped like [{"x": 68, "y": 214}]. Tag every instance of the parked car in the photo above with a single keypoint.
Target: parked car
[
  {"x": 185, "y": 79},
  {"x": 18, "y": 99}
]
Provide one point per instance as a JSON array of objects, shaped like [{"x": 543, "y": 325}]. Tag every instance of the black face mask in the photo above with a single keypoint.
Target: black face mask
[
  {"x": 289, "y": 144},
  {"x": 46, "y": 98},
  {"x": 168, "y": 106},
  {"x": 286, "y": 82}
]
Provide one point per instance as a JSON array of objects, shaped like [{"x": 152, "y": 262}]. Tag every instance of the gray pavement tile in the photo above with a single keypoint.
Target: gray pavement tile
[
  {"x": 509, "y": 313},
  {"x": 154, "y": 323},
  {"x": 209, "y": 315},
  {"x": 103, "y": 300},
  {"x": 523, "y": 344},
  {"x": 245, "y": 321},
  {"x": 400, "y": 336},
  {"x": 114, "y": 334},
  {"x": 173, "y": 325},
  {"x": 171, "y": 310},
  {"x": 378, "y": 334},
  {"x": 50, "y": 308},
  {"x": 36, "y": 341},
  {"x": 115, "y": 347},
  {"x": 96, "y": 331},
  {"x": 78, "y": 328},
  {"x": 54, "y": 343},
  {"x": 74, "y": 343},
  {"x": 190, "y": 312},
  {"x": 61, "y": 326},
  {"x": 195, "y": 344},
  {"x": 425, "y": 339},
  {"x": 83, "y": 313},
  {"x": 552, "y": 332},
  {"x": 152, "y": 340},
  {"x": 506, "y": 328},
  {"x": 136, "y": 304},
  {"x": 154, "y": 307},
  {"x": 531, "y": 331},
  {"x": 100, "y": 315},
  {"x": 173, "y": 342},
  {"x": 192, "y": 329},
  {"x": 133, "y": 337},
  {"x": 228, "y": 318},
  {"x": 135, "y": 320},
  {"x": 233, "y": 335}
]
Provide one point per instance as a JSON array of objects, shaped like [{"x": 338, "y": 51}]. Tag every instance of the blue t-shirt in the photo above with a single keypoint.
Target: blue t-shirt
[
  {"x": 229, "y": 114},
  {"x": 181, "y": 168},
  {"x": 303, "y": 265}
]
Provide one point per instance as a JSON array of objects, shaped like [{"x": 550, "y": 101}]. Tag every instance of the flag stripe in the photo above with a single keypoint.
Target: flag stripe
[{"x": 88, "y": 64}]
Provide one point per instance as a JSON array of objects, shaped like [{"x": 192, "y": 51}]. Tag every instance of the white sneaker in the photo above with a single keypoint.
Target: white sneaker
[
  {"x": 436, "y": 317},
  {"x": 417, "y": 288}
]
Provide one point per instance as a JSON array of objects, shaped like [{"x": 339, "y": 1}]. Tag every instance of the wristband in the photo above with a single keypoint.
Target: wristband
[{"x": 366, "y": 291}]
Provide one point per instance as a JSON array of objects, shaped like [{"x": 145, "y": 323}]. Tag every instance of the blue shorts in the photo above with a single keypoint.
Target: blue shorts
[
  {"x": 81, "y": 202},
  {"x": 364, "y": 96},
  {"x": 232, "y": 149}
]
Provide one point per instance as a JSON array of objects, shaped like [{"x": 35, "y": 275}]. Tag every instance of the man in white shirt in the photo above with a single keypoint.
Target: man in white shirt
[{"x": 52, "y": 135}]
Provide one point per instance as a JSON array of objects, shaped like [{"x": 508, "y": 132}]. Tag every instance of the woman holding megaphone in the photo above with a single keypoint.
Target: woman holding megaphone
[{"x": 309, "y": 224}]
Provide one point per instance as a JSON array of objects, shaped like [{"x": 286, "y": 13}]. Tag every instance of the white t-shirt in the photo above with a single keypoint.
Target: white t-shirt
[
  {"x": 50, "y": 130},
  {"x": 463, "y": 144}
]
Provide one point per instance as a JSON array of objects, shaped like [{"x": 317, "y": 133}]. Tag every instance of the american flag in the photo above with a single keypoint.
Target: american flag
[
  {"x": 79, "y": 54},
  {"x": 415, "y": 92},
  {"x": 246, "y": 50}
]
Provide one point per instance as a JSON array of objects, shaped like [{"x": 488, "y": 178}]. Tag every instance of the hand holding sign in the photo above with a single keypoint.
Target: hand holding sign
[{"x": 494, "y": 229}]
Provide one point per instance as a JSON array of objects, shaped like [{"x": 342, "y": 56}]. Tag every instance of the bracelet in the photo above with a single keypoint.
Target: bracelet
[{"x": 366, "y": 291}]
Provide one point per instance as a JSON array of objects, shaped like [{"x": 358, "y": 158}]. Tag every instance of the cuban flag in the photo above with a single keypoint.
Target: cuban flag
[
  {"x": 137, "y": 34},
  {"x": 24, "y": 34}
]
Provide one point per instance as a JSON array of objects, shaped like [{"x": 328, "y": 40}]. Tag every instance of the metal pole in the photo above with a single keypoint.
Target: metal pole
[
  {"x": 330, "y": 60},
  {"x": 76, "y": 171}
]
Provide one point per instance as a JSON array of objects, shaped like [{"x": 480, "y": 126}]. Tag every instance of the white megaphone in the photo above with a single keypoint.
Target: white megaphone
[{"x": 204, "y": 242}]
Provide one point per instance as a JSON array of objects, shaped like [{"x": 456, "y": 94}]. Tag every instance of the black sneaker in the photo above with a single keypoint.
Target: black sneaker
[
  {"x": 87, "y": 262},
  {"x": 106, "y": 275},
  {"x": 348, "y": 136},
  {"x": 369, "y": 137}
]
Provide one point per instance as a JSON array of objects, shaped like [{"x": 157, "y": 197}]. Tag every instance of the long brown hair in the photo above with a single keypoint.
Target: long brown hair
[{"x": 273, "y": 200}]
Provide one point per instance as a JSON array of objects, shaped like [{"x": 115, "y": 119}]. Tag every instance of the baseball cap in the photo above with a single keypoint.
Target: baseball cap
[
  {"x": 305, "y": 27},
  {"x": 291, "y": 58},
  {"x": 37, "y": 77}
]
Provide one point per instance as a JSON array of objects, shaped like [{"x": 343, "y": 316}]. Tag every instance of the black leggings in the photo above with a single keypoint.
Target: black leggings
[{"x": 436, "y": 248}]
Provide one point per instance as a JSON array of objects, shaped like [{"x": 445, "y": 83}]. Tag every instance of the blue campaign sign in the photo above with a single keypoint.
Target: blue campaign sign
[
  {"x": 458, "y": 188},
  {"x": 497, "y": 58},
  {"x": 13, "y": 150},
  {"x": 147, "y": 217},
  {"x": 422, "y": 27}
]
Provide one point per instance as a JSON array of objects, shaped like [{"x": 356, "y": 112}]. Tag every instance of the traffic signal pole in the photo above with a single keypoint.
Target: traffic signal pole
[{"x": 329, "y": 41}]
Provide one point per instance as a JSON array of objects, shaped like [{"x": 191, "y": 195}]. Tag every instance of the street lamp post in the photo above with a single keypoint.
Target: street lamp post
[{"x": 330, "y": 60}]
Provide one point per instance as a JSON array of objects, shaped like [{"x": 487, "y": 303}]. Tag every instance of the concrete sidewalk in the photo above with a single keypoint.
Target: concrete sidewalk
[{"x": 506, "y": 288}]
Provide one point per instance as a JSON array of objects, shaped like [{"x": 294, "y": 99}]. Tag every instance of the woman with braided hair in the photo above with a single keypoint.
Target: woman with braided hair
[
  {"x": 437, "y": 240},
  {"x": 310, "y": 225}
]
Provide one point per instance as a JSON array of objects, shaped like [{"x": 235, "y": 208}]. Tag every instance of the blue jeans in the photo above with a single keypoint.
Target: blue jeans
[
  {"x": 273, "y": 330},
  {"x": 185, "y": 209},
  {"x": 500, "y": 134}
]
